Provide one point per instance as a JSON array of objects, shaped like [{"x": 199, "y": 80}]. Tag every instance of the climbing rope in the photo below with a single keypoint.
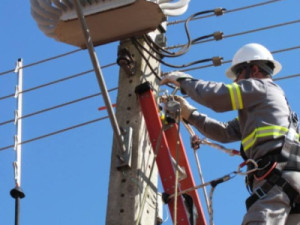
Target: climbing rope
[
  {"x": 217, "y": 181},
  {"x": 195, "y": 145}
]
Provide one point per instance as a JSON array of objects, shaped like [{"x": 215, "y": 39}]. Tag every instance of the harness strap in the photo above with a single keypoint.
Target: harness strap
[{"x": 274, "y": 178}]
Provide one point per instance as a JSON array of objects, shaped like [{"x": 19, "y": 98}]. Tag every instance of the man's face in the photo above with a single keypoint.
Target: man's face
[{"x": 240, "y": 75}]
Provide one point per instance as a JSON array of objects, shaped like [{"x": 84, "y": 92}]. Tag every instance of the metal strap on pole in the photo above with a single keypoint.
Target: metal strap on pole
[
  {"x": 99, "y": 75},
  {"x": 17, "y": 192}
]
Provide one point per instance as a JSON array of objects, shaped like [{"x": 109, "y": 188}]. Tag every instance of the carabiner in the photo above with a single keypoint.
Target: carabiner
[{"x": 245, "y": 163}]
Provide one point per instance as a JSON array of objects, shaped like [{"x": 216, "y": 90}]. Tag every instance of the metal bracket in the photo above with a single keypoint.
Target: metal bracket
[
  {"x": 126, "y": 61},
  {"x": 124, "y": 157}
]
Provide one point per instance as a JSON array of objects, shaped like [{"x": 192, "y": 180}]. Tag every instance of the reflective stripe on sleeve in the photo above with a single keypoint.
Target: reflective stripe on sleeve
[
  {"x": 267, "y": 131},
  {"x": 235, "y": 96}
]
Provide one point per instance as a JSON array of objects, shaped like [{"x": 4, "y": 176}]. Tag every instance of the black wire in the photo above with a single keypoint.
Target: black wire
[
  {"x": 186, "y": 47},
  {"x": 134, "y": 41},
  {"x": 240, "y": 33},
  {"x": 56, "y": 106},
  {"x": 55, "y": 132},
  {"x": 41, "y": 61},
  {"x": 168, "y": 64},
  {"x": 227, "y": 11}
]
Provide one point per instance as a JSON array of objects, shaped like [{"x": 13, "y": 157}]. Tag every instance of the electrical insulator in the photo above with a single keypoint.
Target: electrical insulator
[{"x": 107, "y": 21}]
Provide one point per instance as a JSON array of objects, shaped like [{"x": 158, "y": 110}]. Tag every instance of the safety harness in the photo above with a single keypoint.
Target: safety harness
[{"x": 271, "y": 167}]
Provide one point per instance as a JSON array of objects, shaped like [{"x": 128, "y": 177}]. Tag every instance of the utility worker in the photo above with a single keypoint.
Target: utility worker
[{"x": 263, "y": 126}]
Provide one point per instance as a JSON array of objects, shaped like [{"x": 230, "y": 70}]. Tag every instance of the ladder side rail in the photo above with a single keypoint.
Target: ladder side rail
[
  {"x": 188, "y": 182},
  {"x": 163, "y": 158}
]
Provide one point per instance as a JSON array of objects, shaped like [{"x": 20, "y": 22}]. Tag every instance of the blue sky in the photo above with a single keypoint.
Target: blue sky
[{"x": 65, "y": 176}]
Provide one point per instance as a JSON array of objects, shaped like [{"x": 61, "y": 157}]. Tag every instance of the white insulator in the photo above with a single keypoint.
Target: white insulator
[
  {"x": 42, "y": 20},
  {"x": 46, "y": 16},
  {"x": 175, "y": 5},
  {"x": 176, "y": 12},
  {"x": 58, "y": 19}
]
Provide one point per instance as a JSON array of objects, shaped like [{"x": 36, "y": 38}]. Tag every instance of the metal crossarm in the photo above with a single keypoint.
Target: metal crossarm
[{"x": 164, "y": 158}]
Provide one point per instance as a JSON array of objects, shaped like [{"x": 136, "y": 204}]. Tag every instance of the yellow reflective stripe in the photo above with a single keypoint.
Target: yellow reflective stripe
[
  {"x": 267, "y": 131},
  {"x": 239, "y": 96},
  {"x": 235, "y": 96},
  {"x": 231, "y": 96}
]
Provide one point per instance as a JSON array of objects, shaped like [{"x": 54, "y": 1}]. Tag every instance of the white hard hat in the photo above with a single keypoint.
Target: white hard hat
[{"x": 252, "y": 52}]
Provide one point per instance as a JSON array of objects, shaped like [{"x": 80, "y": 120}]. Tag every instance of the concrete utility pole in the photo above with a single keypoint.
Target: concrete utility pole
[{"x": 132, "y": 198}]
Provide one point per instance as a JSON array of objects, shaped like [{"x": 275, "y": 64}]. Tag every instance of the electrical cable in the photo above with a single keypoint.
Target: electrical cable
[
  {"x": 287, "y": 77},
  {"x": 88, "y": 122},
  {"x": 185, "y": 48},
  {"x": 56, "y": 81},
  {"x": 170, "y": 23},
  {"x": 55, "y": 132},
  {"x": 113, "y": 89},
  {"x": 170, "y": 65},
  {"x": 134, "y": 41},
  {"x": 42, "y": 61},
  {"x": 227, "y": 11},
  {"x": 159, "y": 50},
  {"x": 240, "y": 33},
  {"x": 229, "y": 61},
  {"x": 57, "y": 106}
]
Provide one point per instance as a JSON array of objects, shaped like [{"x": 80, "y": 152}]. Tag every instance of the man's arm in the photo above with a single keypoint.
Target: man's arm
[{"x": 216, "y": 130}]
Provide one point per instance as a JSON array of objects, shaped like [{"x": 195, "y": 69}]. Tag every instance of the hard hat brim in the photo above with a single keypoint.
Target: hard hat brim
[{"x": 277, "y": 68}]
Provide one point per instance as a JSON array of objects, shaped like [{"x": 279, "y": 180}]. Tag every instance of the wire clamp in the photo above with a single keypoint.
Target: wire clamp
[{"x": 219, "y": 11}]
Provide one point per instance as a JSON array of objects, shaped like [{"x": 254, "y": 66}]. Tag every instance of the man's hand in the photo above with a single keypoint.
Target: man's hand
[
  {"x": 185, "y": 108},
  {"x": 175, "y": 77}
]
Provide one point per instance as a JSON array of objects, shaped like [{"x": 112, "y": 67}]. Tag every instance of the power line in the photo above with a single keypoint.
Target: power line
[
  {"x": 96, "y": 120},
  {"x": 57, "y": 106},
  {"x": 287, "y": 77},
  {"x": 113, "y": 89},
  {"x": 170, "y": 23},
  {"x": 240, "y": 33},
  {"x": 229, "y": 61},
  {"x": 42, "y": 61},
  {"x": 56, "y": 132},
  {"x": 56, "y": 81},
  {"x": 227, "y": 11}
]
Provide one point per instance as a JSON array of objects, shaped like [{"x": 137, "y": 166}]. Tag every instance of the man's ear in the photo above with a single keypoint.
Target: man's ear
[{"x": 255, "y": 70}]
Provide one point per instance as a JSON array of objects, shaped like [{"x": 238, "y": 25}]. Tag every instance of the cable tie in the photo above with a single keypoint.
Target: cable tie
[
  {"x": 218, "y": 35},
  {"x": 217, "y": 60},
  {"x": 219, "y": 11}
]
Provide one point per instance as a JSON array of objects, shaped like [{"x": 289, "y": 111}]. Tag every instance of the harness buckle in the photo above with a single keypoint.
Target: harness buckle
[{"x": 259, "y": 192}]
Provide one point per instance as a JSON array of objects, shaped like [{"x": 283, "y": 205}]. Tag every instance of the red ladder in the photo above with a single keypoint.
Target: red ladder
[{"x": 167, "y": 150}]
